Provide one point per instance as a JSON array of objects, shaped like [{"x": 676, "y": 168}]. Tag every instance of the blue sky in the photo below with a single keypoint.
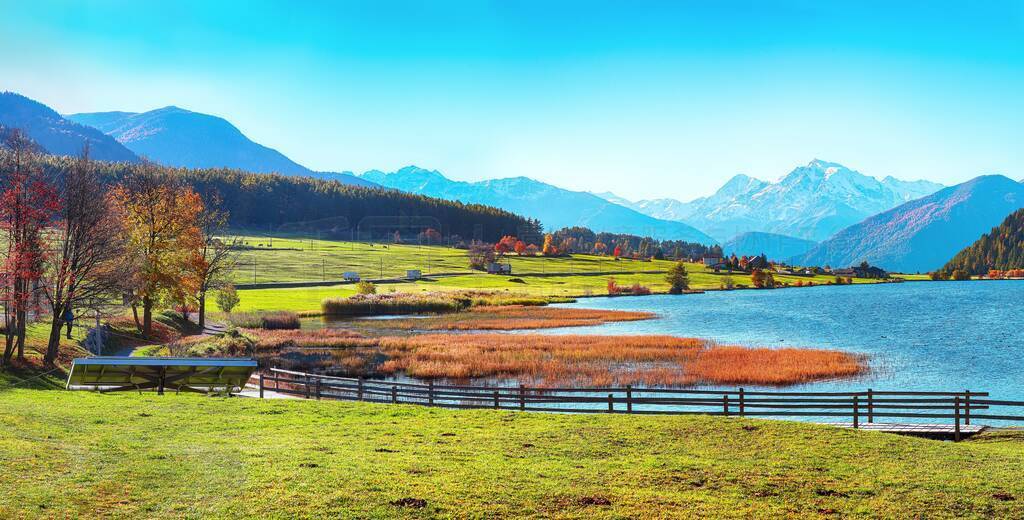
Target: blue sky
[{"x": 646, "y": 99}]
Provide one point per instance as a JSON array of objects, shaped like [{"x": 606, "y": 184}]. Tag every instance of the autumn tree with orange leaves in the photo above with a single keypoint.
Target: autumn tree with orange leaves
[
  {"x": 164, "y": 239},
  {"x": 549, "y": 248}
]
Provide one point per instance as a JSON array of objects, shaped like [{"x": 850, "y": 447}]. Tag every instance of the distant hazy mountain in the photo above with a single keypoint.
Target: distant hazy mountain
[
  {"x": 923, "y": 234},
  {"x": 1001, "y": 249},
  {"x": 775, "y": 247},
  {"x": 811, "y": 202},
  {"x": 553, "y": 206},
  {"x": 345, "y": 178},
  {"x": 613, "y": 198},
  {"x": 174, "y": 136},
  {"x": 55, "y": 134}
]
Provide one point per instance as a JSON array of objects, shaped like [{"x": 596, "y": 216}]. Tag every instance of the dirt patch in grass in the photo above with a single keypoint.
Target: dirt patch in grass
[{"x": 414, "y": 503}]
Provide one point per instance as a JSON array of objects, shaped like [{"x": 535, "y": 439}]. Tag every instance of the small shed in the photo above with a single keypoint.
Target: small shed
[{"x": 499, "y": 268}]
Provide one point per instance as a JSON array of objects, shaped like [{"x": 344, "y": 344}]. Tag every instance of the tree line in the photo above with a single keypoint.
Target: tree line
[
  {"x": 580, "y": 239},
  {"x": 1001, "y": 249},
  {"x": 276, "y": 203}
]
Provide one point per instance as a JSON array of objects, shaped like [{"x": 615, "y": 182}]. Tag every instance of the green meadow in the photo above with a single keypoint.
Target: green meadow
[
  {"x": 87, "y": 455},
  {"x": 296, "y": 259}
]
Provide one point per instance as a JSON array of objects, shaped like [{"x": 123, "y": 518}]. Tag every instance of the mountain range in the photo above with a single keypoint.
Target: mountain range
[
  {"x": 553, "y": 206},
  {"x": 900, "y": 225},
  {"x": 169, "y": 136},
  {"x": 923, "y": 234},
  {"x": 811, "y": 202},
  {"x": 173, "y": 136},
  {"x": 57, "y": 135}
]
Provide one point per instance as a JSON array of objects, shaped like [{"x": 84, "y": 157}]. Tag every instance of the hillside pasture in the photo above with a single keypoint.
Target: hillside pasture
[{"x": 299, "y": 259}]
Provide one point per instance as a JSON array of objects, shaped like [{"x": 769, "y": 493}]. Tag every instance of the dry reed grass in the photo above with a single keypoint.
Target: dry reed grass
[
  {"x": 739, "y": 365},
  {"x": 433, "y": 302},
  {"x": 549, "y": 360},
  {"x": 542, "y": 360},
  {"x": 512, "y": 317},
  {"x": 281, "y": 320},
  {"x": 329, "y": 350}
]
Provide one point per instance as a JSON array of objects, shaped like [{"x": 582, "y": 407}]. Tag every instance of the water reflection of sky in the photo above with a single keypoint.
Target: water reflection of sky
[{"x": 923, "y": 336}]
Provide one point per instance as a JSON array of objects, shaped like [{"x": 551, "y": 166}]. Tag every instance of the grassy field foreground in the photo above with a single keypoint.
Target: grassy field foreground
[{"x": 78, "y": 454}]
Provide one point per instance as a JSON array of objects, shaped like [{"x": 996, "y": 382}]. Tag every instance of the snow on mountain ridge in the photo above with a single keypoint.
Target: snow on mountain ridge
[
  {"x": 553, "y": 206},
  {"x": 812, "y": 201}
]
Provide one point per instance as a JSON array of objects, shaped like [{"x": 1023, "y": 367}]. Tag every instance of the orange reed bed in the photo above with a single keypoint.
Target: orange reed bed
[
  {"x": 336, "y": 351},
  {"x": 783, "y": 366},
  {"x": 512, "y": 317},
  {"x": 548, "y": 360}
]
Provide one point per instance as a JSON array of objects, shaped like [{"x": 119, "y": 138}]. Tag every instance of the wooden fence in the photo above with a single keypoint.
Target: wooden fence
[{"x": 858, "y": 407}]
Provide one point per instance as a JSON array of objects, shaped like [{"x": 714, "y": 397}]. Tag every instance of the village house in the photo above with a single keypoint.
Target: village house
[{"x": 713, "y": 261}]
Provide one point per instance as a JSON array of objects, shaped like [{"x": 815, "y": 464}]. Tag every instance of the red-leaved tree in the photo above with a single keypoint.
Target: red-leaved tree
[
  {"x": 28, "y": 203},
  {"x": 506, "y": 245}
]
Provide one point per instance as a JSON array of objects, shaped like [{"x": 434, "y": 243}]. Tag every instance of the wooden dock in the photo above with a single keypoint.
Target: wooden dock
[{"x": 931, "y": 431}]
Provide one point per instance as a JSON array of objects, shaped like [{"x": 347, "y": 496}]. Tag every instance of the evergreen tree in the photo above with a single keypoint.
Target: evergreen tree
[{"x": 678, "y": 278}]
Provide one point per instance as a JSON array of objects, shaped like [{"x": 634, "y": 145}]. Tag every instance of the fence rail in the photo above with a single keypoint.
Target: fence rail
[{"x": 859, "y": 407}]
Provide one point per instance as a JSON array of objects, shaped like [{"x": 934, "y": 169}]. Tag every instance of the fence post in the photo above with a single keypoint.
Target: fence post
[
  {"x": 394, "y": 394},
  {"x": 359, "y": 395},
  {"x": 318, "y": 389},
  {"x": 611, "y": 403},
  {"x": 522, "y": 397},
  {"x": 967, "y": 407},
  {"x": 871, "y": 406},
  {"x": 856, "y": 411},
  {"x": 725, "y": 404},
  {"x": 261, "y": 386},
  {"x": 956, "y": 418},
  {"x": 629, "y": 398},
  {"x": 277, "y": 381},
  {"x": 496, "y": 404},
  {"x": 742, "y": 404},
  {"x": 307, "y": 386},
  {"x": 430, "y": 392}
]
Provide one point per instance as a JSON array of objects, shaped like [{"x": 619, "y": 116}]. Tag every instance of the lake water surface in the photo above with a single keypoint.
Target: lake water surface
[{"x": 920, "y": 336}]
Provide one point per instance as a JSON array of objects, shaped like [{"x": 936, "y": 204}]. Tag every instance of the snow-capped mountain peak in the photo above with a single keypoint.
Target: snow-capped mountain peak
[{"x": 812, "y": 201}]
